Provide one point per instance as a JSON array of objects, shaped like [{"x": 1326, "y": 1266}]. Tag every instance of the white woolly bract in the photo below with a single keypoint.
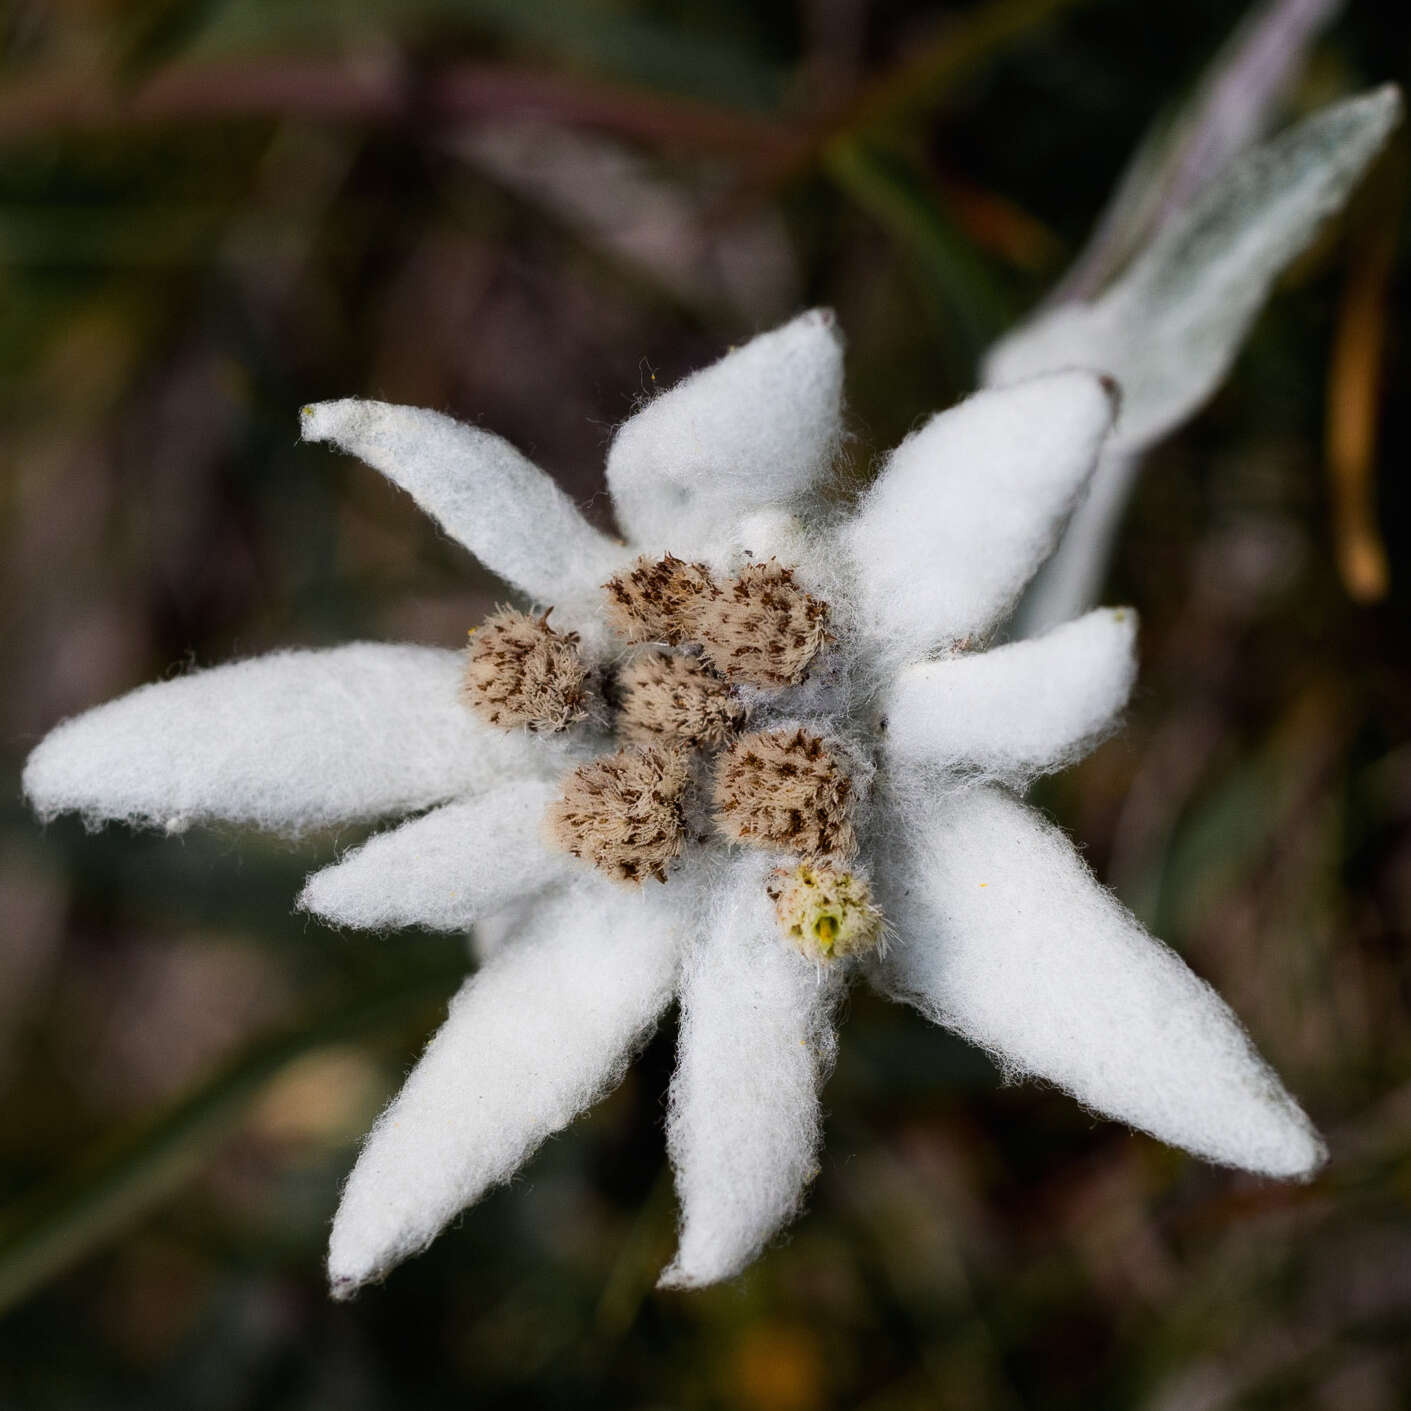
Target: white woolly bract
[
  {"x": 1019, "y": 710},
  {"x": 289, "y": 741},
  {"x": 546, "y": 1028},
  {"x": 756, "y": 1040},
  {"x": 1007, "y": 939},
  {"x": 482, "y": 491},
  {"x": 757, "y": 427},
  {"x": 968, "y": 506},
  {"x": 446, "y": 869},
  {"x": 1169, "y": 328}
]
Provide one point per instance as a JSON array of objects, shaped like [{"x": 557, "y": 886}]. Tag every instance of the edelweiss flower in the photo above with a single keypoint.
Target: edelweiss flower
[{"x": 753, "y": 755}]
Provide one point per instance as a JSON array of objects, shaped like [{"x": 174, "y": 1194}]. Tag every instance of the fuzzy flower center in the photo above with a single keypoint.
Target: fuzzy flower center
[
  {"x": 520, "y": 672},
  {"x": 622, "y": 813},
  {"x": 824, "y": 913},
  {"x": 786, "y": 789},
  {"x": 662, "y": 698},
  {"x": 709, "y": 653},
  {"x": 761, "y": 629}
]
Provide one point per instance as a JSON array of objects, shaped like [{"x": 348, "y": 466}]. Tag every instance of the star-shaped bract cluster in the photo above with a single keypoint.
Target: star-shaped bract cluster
[{"x": 996, "y": 928}]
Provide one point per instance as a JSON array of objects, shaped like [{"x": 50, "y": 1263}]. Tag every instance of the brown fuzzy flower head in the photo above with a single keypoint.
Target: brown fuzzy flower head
[
  {"x": 655, "y": 600},
  {"x": 623, "y": 813},
  {"x": 674, "y": 699},
  {"x": 521, "y": 672},
  {"x": 761, "y": 628},
  {"x": 786, "y": 789},
  {"x": 825, "y": 914}
]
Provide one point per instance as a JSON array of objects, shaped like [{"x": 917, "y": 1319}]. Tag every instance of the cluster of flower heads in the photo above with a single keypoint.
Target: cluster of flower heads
[{"x": 676, "y": 702}]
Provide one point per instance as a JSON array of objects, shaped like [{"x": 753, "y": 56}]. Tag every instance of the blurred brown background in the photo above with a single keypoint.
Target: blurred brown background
[{"x": 213, "y": 211}]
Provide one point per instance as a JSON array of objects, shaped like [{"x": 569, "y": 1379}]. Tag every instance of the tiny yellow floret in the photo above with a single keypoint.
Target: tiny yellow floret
[{"x": 826, "y": 915}]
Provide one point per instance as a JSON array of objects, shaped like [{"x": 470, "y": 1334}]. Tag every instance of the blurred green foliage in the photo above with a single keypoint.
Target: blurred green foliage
[{"x": 213, "y": 211}]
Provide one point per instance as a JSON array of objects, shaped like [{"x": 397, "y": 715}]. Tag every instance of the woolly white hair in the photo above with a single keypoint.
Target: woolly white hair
[
  {"x": 482, "y": 492},
  {"x": 745, "y": 1123},
  {"x": 289, "y": 742},
  {"x": 1020, "y": 710},
  {"x": 968, "y": 506},
  {"x": 1009, "y": 940},
  {"x": 1000, "y": 931},
  {"x": 446, "y": 870},
  {"x": 546, "y": 1027},
  {"x": 757, "y": 428}
]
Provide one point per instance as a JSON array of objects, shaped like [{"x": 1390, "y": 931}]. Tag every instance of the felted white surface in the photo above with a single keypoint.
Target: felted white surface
[
  {"x": 1006, "y": 938},
  {"x": 758, "y": 427},
  {"x": 447, "y": 869},
  {"x": 756, "y": 1039},
  {"x": 482, "y": 491},
  {"x": 289, "y": 741},
  {"x": 1019, "y": 710},
  {"x": 968, "y": 506},
  {"x": 1170, "y": 327},
  {"x": 546, "y": 1028}
]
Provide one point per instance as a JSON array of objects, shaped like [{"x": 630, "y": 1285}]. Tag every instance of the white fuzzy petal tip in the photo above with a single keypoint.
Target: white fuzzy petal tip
[
  {"x": 482, "y": 491},
  {"x": 444, "y": 871},
  {"x": 744, "y": 1126},
  {"x": 1009, "y": 940},
  {"x": 1018, "y": 711},
  {"x": 967, "y": 508},
  {"x": 289, "y": 741},
  {"x": 546, "y": 1028},
  {"x": 758, "y": 427}
]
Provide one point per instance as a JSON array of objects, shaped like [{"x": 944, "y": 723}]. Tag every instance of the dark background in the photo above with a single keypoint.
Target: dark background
[{"x": 213, "y": 211}]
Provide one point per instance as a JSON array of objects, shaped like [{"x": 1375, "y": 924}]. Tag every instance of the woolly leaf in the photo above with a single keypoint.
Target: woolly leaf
[
  {"x": 546, "y": 1028},
  {"x": 758, "y": 427},
  {"x": 744, "y": 1124},
  {"x": 967, "y": 508},
  {"x": 1007, "y": 939},
  {"x": 1019, "y": 710},
  {"x": 289, "y": 741},
  {"x": 482, "y": 492},
  {"x": 446, "y": 869}
]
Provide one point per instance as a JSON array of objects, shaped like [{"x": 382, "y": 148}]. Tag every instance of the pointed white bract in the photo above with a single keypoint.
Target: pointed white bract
[
  {"x": 760, "y": 426},
  {"x": 968, "y": 506},
  {"x": 1017, "y": 711},
  {"x": 744, "y": 1125},
  {"x": 447, "y": 869},
  {"x": 482, "y": 492},
  {"x": 1009, "y": 940},
  {"x": 543, "y": 1030},
  {"x": 1170, "y": 327},
  {"x": 289, "y": 741}
]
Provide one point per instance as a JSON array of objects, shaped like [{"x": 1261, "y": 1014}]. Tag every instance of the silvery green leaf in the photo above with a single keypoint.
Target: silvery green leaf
[
  {"x": 1169, "y": 329},
  {"x": 1229, "y": 108}
]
